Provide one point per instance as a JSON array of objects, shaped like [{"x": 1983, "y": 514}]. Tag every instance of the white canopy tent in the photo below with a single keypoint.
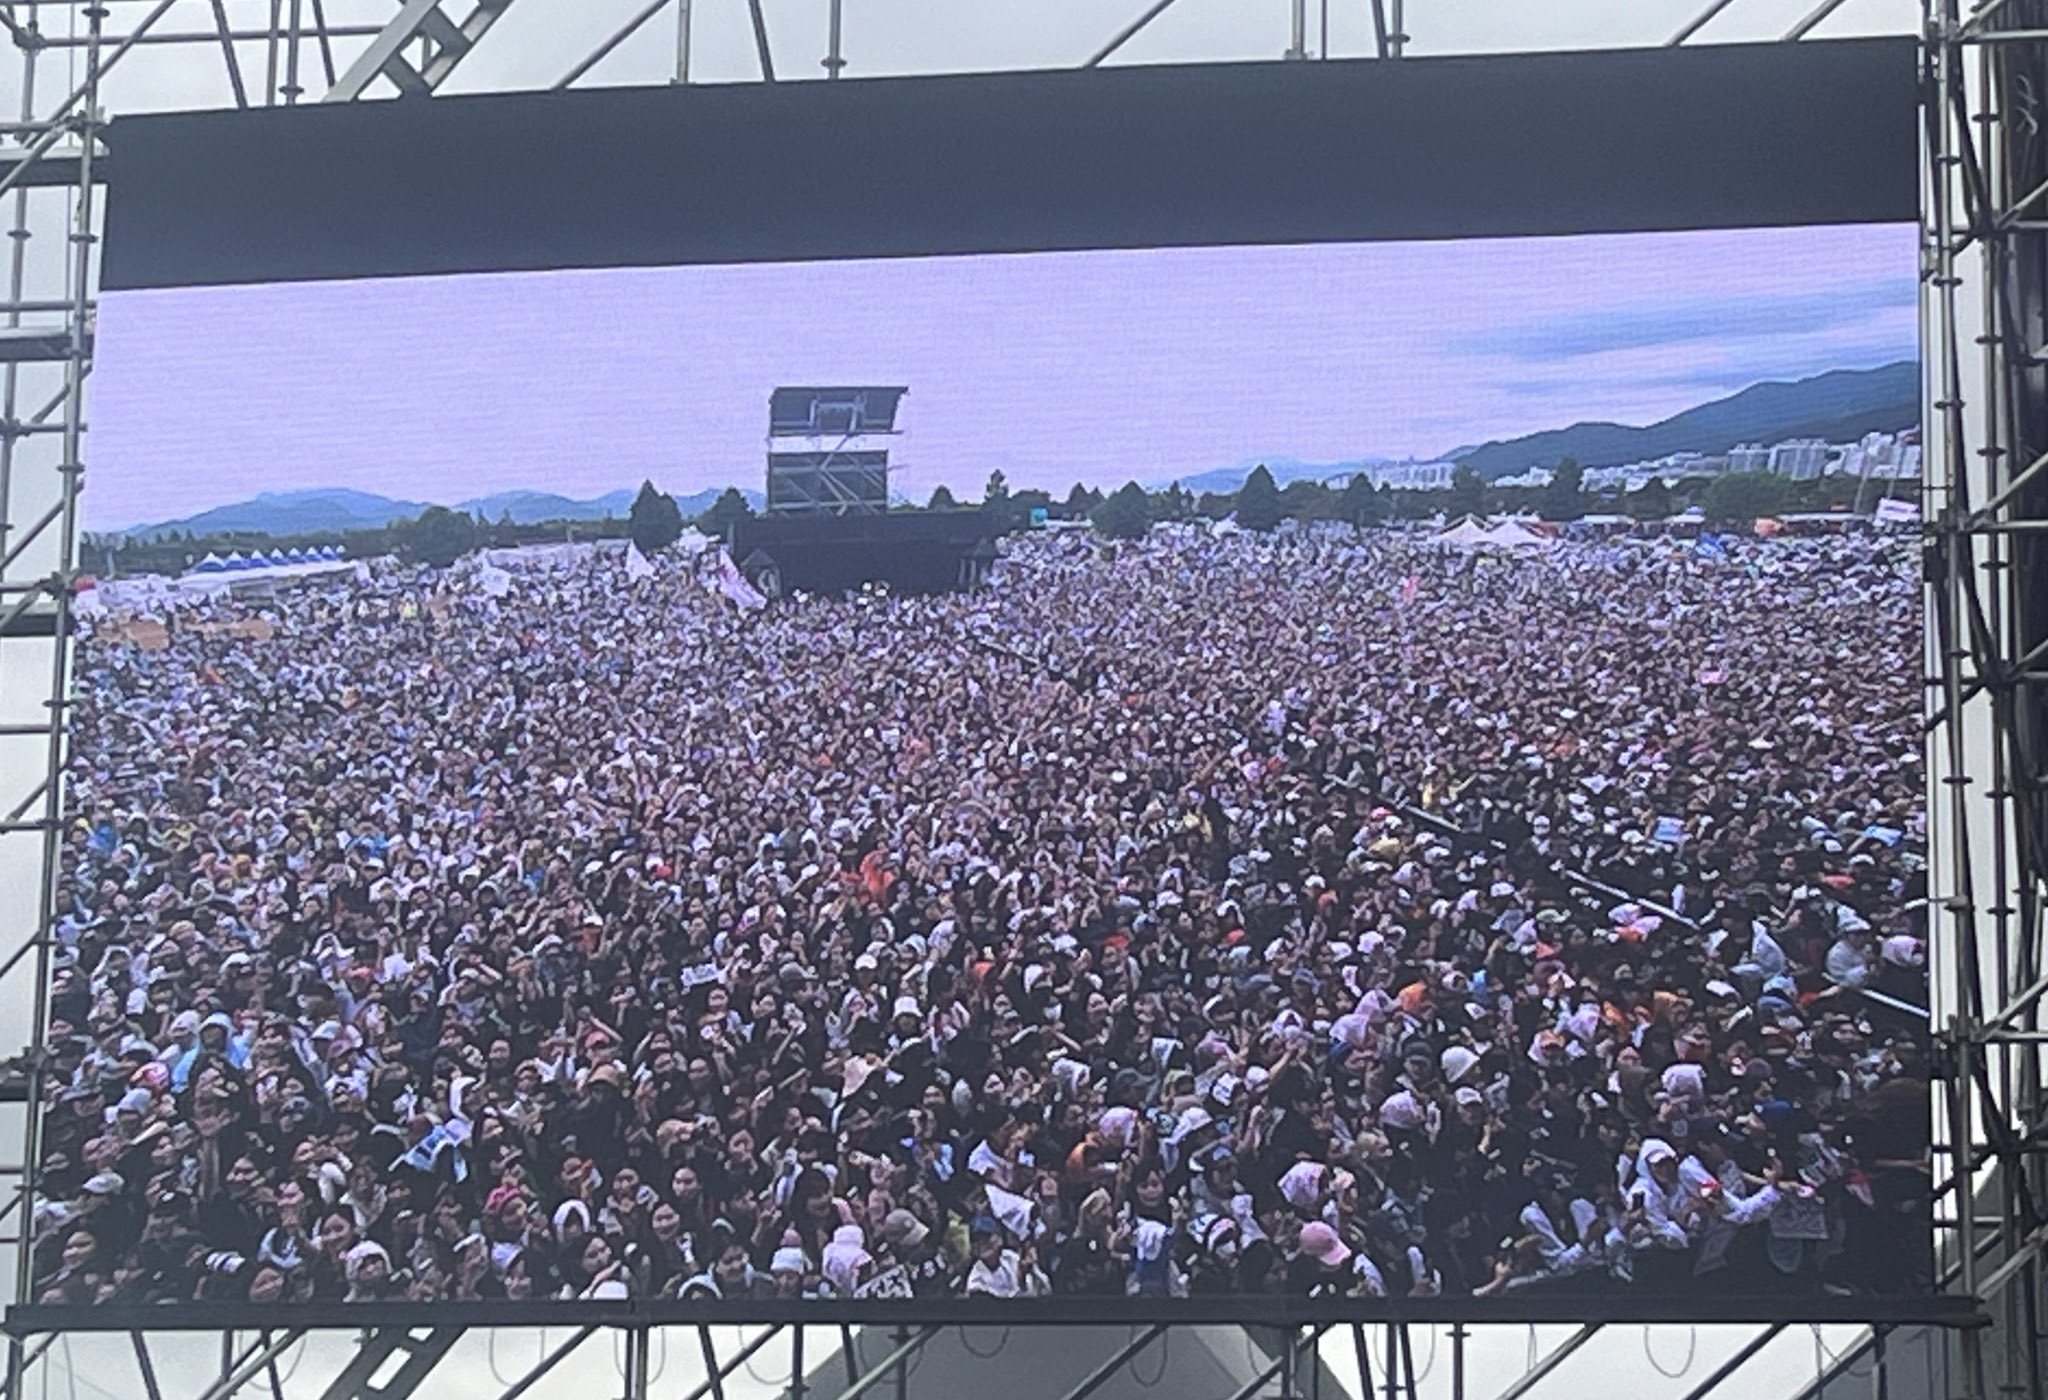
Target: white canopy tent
[
  {"x": 1513, "y": 534},
  {"x": 1466, "y": 534}
]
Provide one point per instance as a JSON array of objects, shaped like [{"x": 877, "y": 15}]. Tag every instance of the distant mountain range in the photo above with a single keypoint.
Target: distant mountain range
[
  {"x": 1224, "y": 480},
  {"x": 532, "y": 507},
  {"x": 291, "y": 513},
  {"x": 1841, "y": 405},
  {"x": 336, "y": 510}
]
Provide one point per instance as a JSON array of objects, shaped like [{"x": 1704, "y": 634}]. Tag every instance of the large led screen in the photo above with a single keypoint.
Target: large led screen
[{"x": 1285, "y": 775}]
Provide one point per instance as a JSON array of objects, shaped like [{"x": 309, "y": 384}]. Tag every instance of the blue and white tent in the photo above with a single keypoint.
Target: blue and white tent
[{"x": 211, "y": 564}]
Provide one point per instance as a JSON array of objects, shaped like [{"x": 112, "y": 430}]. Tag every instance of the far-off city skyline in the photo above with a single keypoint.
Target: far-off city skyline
[{"x": 1096, "y": 367}]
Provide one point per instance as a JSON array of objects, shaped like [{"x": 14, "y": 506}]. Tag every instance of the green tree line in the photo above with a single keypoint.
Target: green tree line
[{"x": 438, "y": 535}]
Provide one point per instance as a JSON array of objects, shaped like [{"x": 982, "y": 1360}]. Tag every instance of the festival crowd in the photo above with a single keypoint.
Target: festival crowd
[{"x": 1323, "y": 913}]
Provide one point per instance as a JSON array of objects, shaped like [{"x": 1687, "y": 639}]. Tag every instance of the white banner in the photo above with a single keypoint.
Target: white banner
[
  {"x": 893, "y": 1283},
  {"x": 733, "y": 584}
]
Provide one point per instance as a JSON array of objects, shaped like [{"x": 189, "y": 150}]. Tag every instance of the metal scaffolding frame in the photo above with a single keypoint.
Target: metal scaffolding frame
[
  {"x": 1983, "y": 240},
  {"x": 1985, "y": 244}
]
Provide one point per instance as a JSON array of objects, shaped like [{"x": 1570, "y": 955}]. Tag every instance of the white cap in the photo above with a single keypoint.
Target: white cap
[{"x": 1458, "y": 1061}]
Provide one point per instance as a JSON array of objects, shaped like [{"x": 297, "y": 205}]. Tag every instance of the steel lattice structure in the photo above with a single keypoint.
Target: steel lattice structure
[{"x": 1985, "y": 349}]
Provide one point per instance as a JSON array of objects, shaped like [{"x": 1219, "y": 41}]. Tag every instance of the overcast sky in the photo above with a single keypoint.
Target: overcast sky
[{"x": 1056, "y": 367}]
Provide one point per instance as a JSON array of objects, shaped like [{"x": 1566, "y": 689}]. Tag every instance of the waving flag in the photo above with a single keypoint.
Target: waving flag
[{"x": 733, "y": 584}]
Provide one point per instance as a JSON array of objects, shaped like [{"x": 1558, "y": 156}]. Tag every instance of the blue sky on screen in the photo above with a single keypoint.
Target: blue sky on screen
[{"x": 1055, "y": 367}]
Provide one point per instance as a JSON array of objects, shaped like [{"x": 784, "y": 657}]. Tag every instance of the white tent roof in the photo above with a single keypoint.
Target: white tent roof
[
  {"x": 1466, "y": 534},
  {"x": 1512, "y": 534}
]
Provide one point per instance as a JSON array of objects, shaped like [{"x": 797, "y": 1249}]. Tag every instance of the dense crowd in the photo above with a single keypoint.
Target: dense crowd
[{"x": 1321, "y": 913}]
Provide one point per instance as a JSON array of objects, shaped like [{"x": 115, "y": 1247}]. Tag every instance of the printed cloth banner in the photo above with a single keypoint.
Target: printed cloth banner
[{"x": 893, "y": 1283}]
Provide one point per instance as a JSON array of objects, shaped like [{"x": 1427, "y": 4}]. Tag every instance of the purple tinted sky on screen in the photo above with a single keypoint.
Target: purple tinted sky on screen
[{"x": 1055, "y": 367}]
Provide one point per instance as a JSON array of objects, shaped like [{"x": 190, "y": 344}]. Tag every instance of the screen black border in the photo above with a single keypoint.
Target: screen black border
[
  {"x": 1511, "y": 145},
  {"x": 1603, "y": 1309}
]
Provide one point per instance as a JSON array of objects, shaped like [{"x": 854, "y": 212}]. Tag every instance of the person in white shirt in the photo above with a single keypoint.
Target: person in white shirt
[{"x": 999, "y": 1272}]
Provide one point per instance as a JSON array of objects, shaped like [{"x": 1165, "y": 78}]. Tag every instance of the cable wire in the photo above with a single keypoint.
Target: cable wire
[
  {"x": 916, "y": 1362},
  {"x": 1165, "y": 1347},
  {"x": 1430, "y": 1365},
  {"x": 491, "y": 1358},
  {"x": 298, "y": 1356},
  {"x": 1001, "y": 1343},
  {"x": 1692, "y": 1347},
  {"x": 755, "y": 1376}
]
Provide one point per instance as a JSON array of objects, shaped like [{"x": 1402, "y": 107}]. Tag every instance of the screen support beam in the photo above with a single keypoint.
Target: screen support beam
[
  {"x": 443, "y": 41},
  {"x": 1700, "y": 21},
  {"x": 251, "y": 1363},
  {"x": 1100, "y": 1376},
  {"x": 1550, "y": 1362},
  {"x": 619, "y": 36},
  {"x": 420, "y": 1351},
  {"x": 1293, "y": 1350},
  {"x": 227, "y": 49},
  {"x": 761, "y": 48},
  {"x": 540, "y": 1369},
  {"x": 1734, "y": 1363},
  {"x": 889, "y": 1365},
  {"x": 1983, "y": 302},
  {"x": 717, "y": 1372},
  {"x": 1814, "y": 19},
  {"x": 1129, "y": 32},
  {"x": 146, "y": 1366}
]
